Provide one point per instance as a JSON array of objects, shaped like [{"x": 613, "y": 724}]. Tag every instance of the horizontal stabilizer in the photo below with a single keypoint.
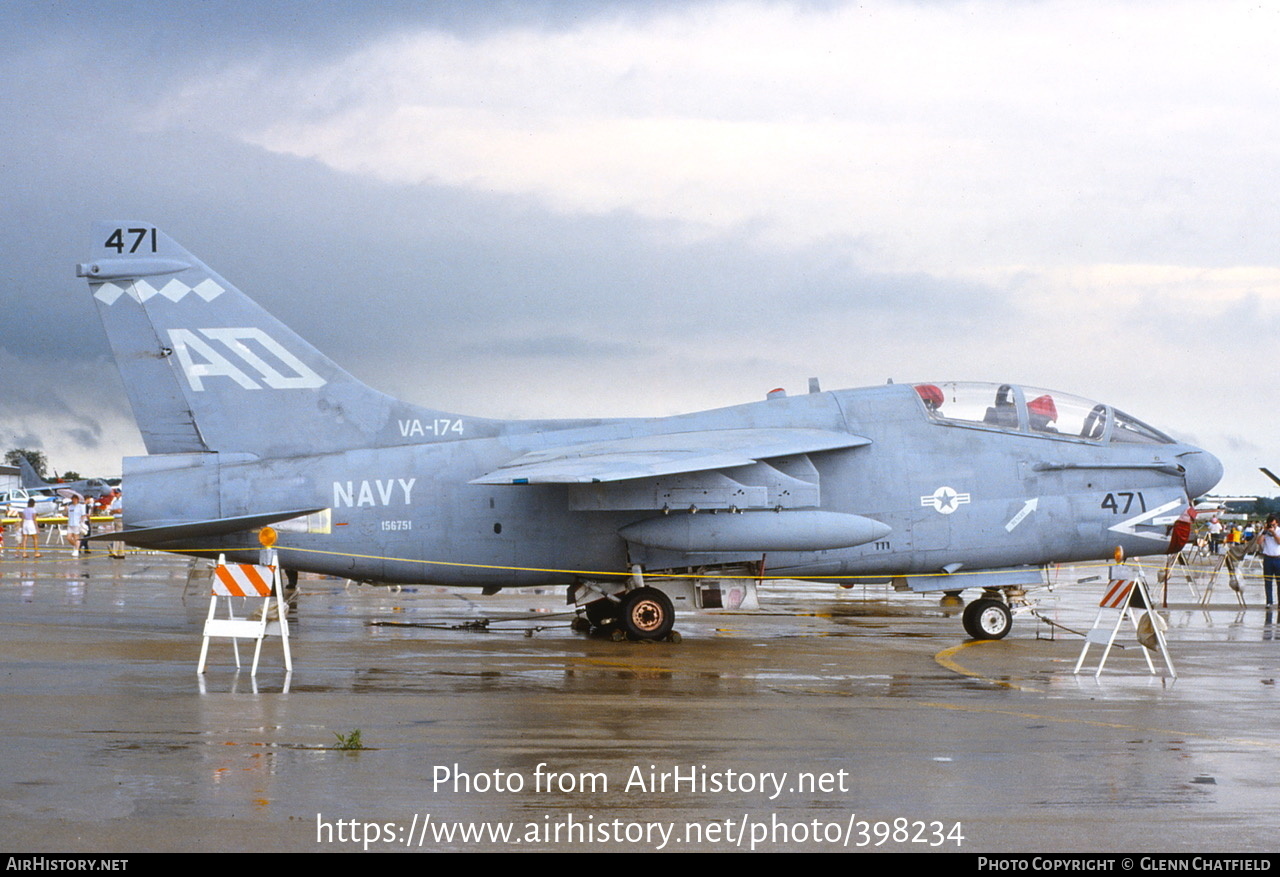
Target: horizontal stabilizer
[
  {"x": 648, "y": 456},
  {"x": 172, "y": 532}
]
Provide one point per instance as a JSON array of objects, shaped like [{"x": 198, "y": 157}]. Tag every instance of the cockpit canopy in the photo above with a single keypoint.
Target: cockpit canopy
[{"x": 1014, "y": 408}]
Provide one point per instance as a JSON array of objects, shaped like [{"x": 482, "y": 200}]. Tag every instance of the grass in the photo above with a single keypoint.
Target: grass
[{"x": 350, "y": 741}]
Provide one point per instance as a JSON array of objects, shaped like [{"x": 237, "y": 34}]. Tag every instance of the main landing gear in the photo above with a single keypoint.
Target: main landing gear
[{"x": 638, "y": 612}]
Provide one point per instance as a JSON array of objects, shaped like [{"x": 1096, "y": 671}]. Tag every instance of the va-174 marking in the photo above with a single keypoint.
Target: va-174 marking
[
  {"x": 937, "y": 486},
  {"x": 439, "y": 426}
]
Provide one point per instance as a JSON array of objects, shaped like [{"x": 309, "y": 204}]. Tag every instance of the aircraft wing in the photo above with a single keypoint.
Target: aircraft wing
[{"x": 673, "y": 453}]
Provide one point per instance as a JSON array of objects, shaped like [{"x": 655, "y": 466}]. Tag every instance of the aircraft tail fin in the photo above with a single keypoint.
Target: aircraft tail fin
[
  {"x": 207, "y": 369},
  {"x": 31, "y": 479}
]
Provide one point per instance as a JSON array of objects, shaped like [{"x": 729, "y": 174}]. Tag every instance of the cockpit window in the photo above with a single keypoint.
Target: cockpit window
[
  {"x": 1066, "y": 415},
  {"x": 1015, "y": 408},
  {"x": 1131, "y": 429},
  {"x": 980, "y": 404}
]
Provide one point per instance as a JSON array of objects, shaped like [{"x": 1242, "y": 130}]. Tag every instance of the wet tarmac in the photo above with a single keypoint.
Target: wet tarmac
[{"x": 828, "y": 720}]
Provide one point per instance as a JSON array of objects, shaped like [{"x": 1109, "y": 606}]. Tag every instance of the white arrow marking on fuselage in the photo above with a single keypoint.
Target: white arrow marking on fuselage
[
  {"x": 1030, "y": 506},
  {"x": 1128, "y": 527}
]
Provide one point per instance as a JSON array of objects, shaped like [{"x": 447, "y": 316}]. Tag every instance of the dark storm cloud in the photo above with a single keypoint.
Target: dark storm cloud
[
  {"x": 196, "y": 28},
  {"x": 27, "y": 440},
  {"x": 365, "y": 269},
  {"x": 88, "y": 437},
  {"x": 415, "y": 287},
  {"x": 557, "y": 346},
  {"x": 402, "y": 284}
]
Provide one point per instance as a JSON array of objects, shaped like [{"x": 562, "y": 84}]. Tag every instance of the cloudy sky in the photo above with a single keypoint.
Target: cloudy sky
[{"x": 545, "y": 209}]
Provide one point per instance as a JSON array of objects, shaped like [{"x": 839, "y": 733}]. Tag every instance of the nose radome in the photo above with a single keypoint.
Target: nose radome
[{"x": 1204, "y": 471}]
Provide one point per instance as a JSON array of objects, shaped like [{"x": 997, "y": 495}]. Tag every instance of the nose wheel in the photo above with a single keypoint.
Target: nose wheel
[{"x": 986, "y": 618}]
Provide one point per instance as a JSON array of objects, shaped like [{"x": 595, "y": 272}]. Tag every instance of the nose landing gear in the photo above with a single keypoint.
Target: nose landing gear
[{"x": 987, "y": 618}]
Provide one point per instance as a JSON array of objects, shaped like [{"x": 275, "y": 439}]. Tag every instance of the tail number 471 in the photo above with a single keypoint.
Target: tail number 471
[{"x": 143, "y": 239}]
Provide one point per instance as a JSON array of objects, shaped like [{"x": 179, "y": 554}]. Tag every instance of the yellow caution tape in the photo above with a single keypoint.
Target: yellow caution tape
[{"x": 878, "y": 577}]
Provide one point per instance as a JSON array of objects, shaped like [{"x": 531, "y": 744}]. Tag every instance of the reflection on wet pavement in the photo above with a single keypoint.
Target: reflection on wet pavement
[{"x": 114, "y": 743}]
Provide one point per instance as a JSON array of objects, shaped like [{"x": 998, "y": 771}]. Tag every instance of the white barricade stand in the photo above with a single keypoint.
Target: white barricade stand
[
  {"x": 1127, "y": 587},
  {"x": 1232, "y": 559},
  {"x": 1178, "y": 563},
  {"x": 247, "y": 580}
]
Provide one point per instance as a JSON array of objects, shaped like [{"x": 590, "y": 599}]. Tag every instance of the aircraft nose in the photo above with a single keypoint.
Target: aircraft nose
[{"x": 1204, "y": 471}]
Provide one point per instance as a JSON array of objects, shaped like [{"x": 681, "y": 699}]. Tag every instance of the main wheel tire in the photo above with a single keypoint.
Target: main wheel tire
[
  {"x": 987, "y": 619},
  {"x": 647, "y": 613}
]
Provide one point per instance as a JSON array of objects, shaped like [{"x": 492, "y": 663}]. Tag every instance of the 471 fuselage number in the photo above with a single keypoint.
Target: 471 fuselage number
[{"x": 1120, "y": 503}]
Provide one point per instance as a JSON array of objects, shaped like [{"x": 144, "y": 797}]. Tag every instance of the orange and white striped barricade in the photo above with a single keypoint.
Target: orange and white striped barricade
[
  {"x": 1128, "y": 595},
  {"x": 250, "y": 580}
]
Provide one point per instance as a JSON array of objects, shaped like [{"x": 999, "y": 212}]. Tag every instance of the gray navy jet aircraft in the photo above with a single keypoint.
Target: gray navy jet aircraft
[
  {"x": 936, "y": 486},
  {"x": 91, "y": 487}
]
